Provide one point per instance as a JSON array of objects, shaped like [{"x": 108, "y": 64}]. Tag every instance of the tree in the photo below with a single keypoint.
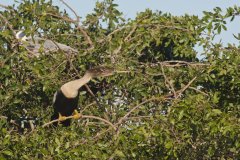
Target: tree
[{"x": 162, "y": 103}]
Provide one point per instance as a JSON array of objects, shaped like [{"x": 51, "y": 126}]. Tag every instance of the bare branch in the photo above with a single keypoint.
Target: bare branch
[
  {"x": 78, "y": 25},
  {"x": 179, "y": 92},
  {"x": 86, "y": 37},
  {"x": 130, "y": 33},
  {"x": 74, "y": 12},
  {"x": 8, "y": 24},
  {"x": 136, "y": 107},
  {"x": 150, "y": 25},
  {"x": 6, "y": 7},
  {"x": 100, "y": 119},
  {"x": 82, "y": 110},
  {"x": 67, "y": 19},
  {"x": 182, "y": 63},
  {"x": 167, "y": 82},
  {"x": 11, "y": 121},
  {"x": 3, "y": 6},
  {"x": 197, "y": 90}
]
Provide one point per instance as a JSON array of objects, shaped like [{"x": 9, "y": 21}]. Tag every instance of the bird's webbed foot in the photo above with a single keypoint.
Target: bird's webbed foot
[
  {"x": 76, "y": 115},
  {"x": 61, "y": 118}
]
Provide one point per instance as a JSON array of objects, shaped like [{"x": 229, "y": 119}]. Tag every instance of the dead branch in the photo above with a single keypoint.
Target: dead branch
[
  {"x": 179, "y": 92},
  {"x": 6, "y": 7},
  {"x": 182, "y": 63},
  {"x": 130, "y": 33},
  {"x": 3, "y": 6},
  {"x": 168, "y": 83},
  {"x": 150, "y": 25},
  {"x": 197, "y": 90},
  {"x": 136, "y": 107},
  {"x": 74, "y": 12},
  {"x": 115, "y": 54},
  {"x": 86, "y": 36},
  {"x": 67, "y": 19}
]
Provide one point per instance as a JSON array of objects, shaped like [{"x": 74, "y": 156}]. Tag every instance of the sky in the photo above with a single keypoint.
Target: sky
[{"x": 176, "y": 7}]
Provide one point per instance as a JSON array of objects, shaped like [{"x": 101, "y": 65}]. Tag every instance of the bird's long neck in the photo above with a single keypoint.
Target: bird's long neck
[{"x": 70, "y": 89}]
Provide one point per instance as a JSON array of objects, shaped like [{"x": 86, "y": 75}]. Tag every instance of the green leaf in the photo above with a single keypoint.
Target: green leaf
[
  {"x": 169, "y": 145},
  {"x": 180, "y": 114},
  {"x": 219, "y": 29},
  {"x": 224, "y": 27},
  {"x": 8, "y": 153},
  {"x": 216, "y": 97},
  {"x": 120, "y": 154},
  {"x": 217, "y": 111}
]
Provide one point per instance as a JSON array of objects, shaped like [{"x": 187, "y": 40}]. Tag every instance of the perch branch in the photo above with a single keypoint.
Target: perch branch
[{"x": 81, "y": 117}]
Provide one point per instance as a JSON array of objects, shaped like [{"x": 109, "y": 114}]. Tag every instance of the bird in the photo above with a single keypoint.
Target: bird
[
  {"x": 65, "y": 101},
  {"x": 35, "y": 44}
]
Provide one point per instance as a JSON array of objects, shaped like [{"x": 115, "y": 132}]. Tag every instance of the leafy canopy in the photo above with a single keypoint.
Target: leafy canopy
[{"x": 164, "y": 101}]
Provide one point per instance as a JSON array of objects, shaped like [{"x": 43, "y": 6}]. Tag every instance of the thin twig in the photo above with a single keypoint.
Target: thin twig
[
  {"x": 82, "y": 110},
  {"x": 3, "y": 6},
  {"x": 136, "y": 107},
  {"x": 130, "y": 33},
  {"x": 78, "y": 25},
  {"x": 100, "y": 119},
  {"x": 3, "y": 117},
  {"x": 6, "y": 7},
  {"x": 179, "y": 92},
  {"x": 115, "y": 54},
  {"x": 67, "y": 19},
  {"x": 69, "y": 7},
  {"x": 168, "y": 83},
  {"x": 8, "y": 24},
  {"x": 149, "y": 25},
  {"x": 92, "y": 94},
  {"x": 122, "y": 71},
  {"x": 13, "y": 31},
  {"x": 182, "y": 63},
  {"x": 176, "y": 64},
  {"x": 197, "y": 90},
  {"x": 11, "y": 121}
]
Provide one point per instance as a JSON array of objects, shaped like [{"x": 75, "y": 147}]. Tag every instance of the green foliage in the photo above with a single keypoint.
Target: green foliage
[{"x": 167, "y": 104}]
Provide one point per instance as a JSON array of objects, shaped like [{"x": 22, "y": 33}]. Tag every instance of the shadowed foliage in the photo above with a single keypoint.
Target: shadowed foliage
[{"x": 162, "y": 102}]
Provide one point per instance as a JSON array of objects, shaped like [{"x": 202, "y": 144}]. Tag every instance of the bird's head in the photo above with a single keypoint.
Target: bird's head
[
  {"x": 20, "y": 35},
  {"x": 100, "y": 72}
]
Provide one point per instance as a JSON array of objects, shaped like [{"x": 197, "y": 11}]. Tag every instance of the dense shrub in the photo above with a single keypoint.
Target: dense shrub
[{"x": 164, "y": 101}]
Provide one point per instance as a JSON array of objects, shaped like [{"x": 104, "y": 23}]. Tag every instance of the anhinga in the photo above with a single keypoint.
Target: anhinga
[{"x": 65, "y": 101}]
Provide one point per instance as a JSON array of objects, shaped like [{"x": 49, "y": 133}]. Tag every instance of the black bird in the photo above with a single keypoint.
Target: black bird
[{"x": 65, "y": 101}]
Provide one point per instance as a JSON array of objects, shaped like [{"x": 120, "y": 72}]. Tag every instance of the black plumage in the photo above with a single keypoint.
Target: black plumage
[
  {"x": 64, "y": 106},
  {"x": 65, "y": 100}
]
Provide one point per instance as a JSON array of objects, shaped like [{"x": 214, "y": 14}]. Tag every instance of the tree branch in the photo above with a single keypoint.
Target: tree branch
[
  {"x": 86, "y": 36},
  {"x": 8, "y": 24},
  {"x": 167, "y": 82},
  {"x": 81, "y": 117}
]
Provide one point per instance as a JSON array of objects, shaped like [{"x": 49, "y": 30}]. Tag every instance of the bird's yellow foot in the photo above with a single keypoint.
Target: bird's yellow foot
[
  {"x": 76, "y": 115},
  {"x": 61, "y": 118}
]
